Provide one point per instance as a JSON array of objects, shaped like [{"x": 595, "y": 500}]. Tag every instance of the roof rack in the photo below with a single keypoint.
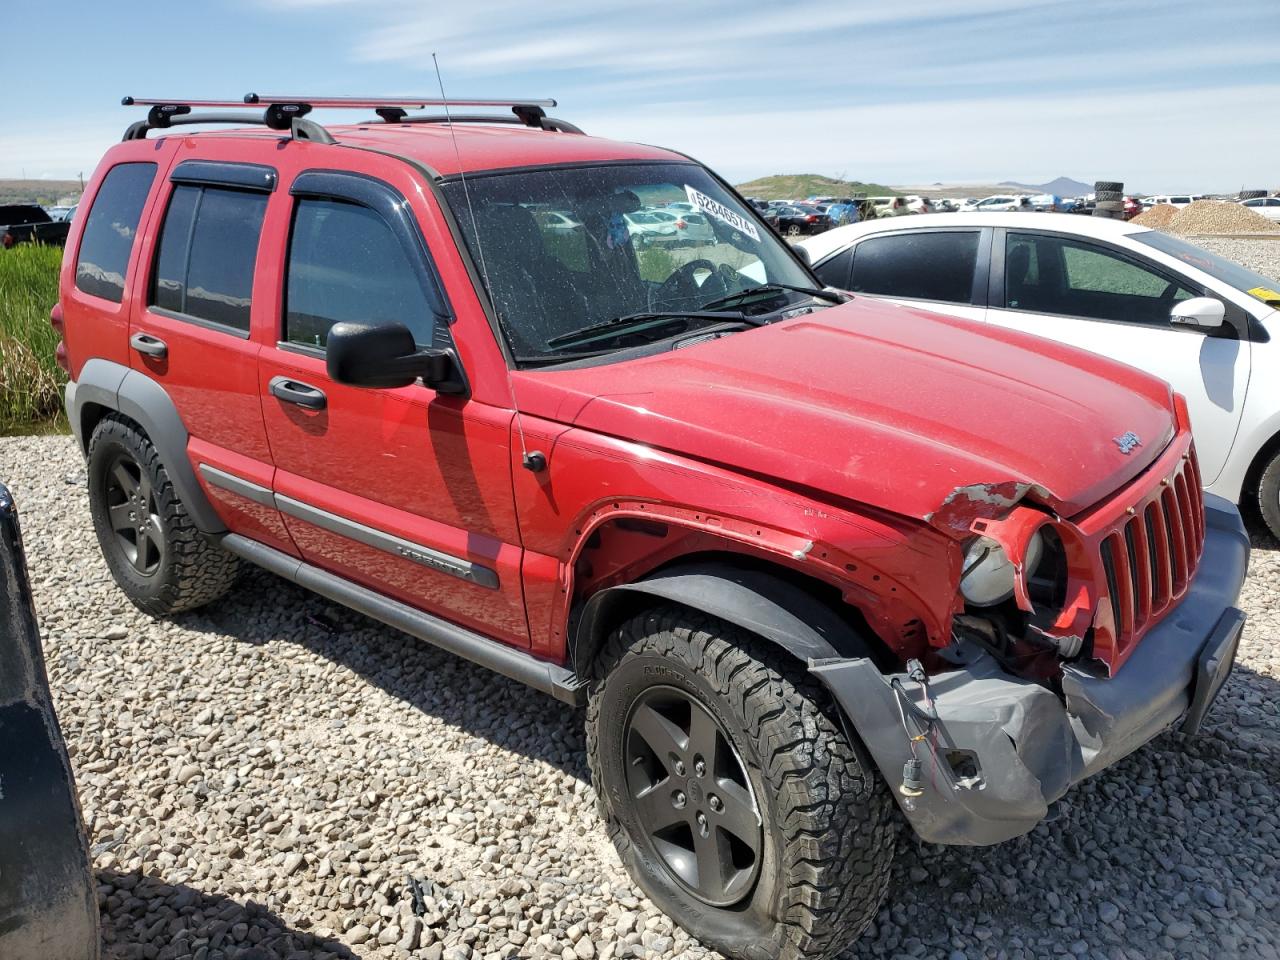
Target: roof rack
[{"x": 289, "y": 113}]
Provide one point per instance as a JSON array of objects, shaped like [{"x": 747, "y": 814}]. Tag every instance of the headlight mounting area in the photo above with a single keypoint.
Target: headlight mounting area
[{"x": 1041, "y": 563}]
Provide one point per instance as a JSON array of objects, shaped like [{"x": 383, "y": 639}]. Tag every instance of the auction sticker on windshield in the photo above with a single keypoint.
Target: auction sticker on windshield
[{"x": 722, "y": 213}]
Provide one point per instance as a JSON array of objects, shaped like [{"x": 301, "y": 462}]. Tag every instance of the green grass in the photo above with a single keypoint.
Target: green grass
[
  {"x": 30, "y": 380},
  {"x": 798, "y": 186}
]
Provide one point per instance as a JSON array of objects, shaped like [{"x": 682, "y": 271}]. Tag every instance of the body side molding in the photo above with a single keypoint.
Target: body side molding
[{"x": 437, "y": 560}]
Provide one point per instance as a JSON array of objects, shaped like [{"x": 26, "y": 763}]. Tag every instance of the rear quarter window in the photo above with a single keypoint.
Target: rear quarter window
[
  {"x": 919, "y": 266},
  {"x": 110, "y": 229}
]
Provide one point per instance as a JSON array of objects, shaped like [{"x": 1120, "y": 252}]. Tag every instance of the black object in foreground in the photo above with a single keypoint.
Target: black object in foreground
[{"x": 48, "y": 906}]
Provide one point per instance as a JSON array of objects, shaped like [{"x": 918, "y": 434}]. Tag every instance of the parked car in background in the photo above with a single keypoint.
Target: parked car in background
[
  {"x": 1176, "y": 200},
  {"x": 1143, "y": 297},
  {"x": 797, "y": 221},
  {"x": 1132, "y": 207},
  {"x": 880, "y": 207},
  {"x": 919, "y": 204},
  {"x": 29, "y": 223},
  {"x": 555, "y": 220},
  {"x": 646, "y": 226},
  {"x": 1268, "y": 207},
  {"x": 1003, "y": 204},
  {"x": 57, "y": 213}
]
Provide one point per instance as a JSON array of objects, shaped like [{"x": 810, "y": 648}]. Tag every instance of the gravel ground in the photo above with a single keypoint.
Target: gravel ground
[
  {"x": 275, "y": 776},
  {"x": 1262, "y": 256}
]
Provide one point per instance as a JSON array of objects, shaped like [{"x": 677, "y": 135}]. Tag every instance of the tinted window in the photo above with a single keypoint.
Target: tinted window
[
  {"x": 1048, "y": 274},
  {"x": 110, "y": 229},
  {"x": 922, "y": 266},
  {"x": 346, "y": 265},
  {"x": 834, "y": 272},
  {"x": 204, "y": 268}
]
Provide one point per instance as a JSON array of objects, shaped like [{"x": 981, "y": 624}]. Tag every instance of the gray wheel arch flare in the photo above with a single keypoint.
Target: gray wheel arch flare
[{"x": 114, "y": 387}]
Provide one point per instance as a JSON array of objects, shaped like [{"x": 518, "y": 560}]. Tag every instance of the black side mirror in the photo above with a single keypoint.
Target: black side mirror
[{"x": 385, "y": 355}]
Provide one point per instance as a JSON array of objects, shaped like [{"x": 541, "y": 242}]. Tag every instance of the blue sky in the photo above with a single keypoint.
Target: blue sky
[{"x": 1162, "y": 94}]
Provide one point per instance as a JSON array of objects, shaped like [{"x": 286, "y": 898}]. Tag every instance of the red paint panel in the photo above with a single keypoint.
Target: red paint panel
[{"x": 242, "y": 515}]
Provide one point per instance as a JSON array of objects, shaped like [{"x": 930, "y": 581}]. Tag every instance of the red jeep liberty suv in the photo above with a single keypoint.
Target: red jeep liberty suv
[{"x": 804, "y": 557}]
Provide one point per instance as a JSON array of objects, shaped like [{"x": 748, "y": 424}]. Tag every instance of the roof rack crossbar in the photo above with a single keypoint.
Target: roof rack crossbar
[
  {"x": 397, "y": 115},
  {"x": 373, "y": 103},
  {"x": 289, "y": 113},
  {"x": 138, "y": 129}
]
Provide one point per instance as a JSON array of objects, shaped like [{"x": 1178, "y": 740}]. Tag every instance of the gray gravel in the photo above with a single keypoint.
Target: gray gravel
[
  {"x": 1262, "y": 256},
  {"x": 275, "y": 776}
]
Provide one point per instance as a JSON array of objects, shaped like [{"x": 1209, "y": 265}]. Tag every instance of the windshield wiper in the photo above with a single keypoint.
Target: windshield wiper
[
  {"x": 621, "y": 325},
  {"x": 828, "y": 295}
]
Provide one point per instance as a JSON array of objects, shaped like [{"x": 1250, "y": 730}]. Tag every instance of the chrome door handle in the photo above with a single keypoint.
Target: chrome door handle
[
  {"x": 297, "y": 392},
  {"x": 151, "y": 346}
]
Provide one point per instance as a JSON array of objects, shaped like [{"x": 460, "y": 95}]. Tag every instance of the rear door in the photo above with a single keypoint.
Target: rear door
[
  {"x": 1111, "y": 301},
  {"x": 403, "y": 490},
  {"x": 943, "y": 270},
  {"x": 191, "y": 330}
]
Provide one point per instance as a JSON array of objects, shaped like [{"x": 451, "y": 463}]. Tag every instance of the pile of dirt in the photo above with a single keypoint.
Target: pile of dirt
[
  {"x": 1158, "y": 217},
  {"x": 1206, "y": 217}
]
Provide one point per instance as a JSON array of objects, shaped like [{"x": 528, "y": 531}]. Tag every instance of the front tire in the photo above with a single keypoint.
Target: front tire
[
  {"x": 731, "y": 791},
  {"x": 156, "y": 555}
]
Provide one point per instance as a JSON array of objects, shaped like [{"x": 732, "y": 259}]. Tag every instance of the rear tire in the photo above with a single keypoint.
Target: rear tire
[
  {"x": 798, "y": 850},
  {"x": 158, "y": 558},
  {"x": 1269, "y": 495}
]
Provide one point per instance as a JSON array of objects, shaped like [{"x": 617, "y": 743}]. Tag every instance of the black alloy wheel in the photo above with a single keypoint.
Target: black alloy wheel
[
  {"x": 692, "y": 796},
  {"x": 134, "y": 514}
]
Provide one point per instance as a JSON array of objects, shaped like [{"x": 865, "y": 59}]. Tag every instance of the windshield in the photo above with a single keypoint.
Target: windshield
[
  {"x": 1242, "y": 278},
  {"x": 616, "y": 253}
]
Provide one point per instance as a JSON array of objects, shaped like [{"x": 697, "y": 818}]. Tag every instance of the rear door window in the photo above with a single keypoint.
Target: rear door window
[
  {"x": 346, "y": 265},
  {"x": 110, "y": 229},
  {"x": 208, "y": 246},
  {"x": 919, "y": 265}
]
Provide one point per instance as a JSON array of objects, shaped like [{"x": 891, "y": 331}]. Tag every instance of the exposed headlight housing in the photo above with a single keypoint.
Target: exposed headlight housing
[{"x": 988, "y": 573}]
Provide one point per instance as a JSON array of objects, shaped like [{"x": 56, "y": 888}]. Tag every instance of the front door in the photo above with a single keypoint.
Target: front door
[
  {"x": 403, "y": 490},
  {"x": 1106, "y": 300}
]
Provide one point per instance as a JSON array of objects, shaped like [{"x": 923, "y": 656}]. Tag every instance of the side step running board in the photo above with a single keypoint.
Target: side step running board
[{"x": 558, "y": 681}]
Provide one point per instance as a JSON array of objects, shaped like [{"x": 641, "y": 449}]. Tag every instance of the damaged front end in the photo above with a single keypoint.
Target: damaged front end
[{"x": 1029, "y": 697}]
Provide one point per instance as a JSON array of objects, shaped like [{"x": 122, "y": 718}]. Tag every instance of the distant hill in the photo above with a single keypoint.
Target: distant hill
[
  {"x": 797, "y": 186},
  {"x": 1062, "y": 187},
  {"x": 47, "y": 192}
]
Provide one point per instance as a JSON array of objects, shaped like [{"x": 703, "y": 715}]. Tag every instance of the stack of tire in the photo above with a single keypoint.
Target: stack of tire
[
  {"x": 1252, "y": 194},
  {"x": 1108, "y": 199}
]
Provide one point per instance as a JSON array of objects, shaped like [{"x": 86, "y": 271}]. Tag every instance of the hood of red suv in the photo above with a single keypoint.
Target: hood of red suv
[{"x": 898, "y": 408}]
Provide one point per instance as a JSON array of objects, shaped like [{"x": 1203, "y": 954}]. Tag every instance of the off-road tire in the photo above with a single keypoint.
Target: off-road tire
[
  {"x": 1108, "y": 186},
  {"x": 1108, "y": 196},
  {"x": 1269, "y": 495},
  {"x": 827, "y": 823},
  {"x": 192, "y": 570}
]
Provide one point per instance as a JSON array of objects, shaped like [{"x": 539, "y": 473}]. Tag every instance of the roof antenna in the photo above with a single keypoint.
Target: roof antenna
[{"x": 534, "y": 461}]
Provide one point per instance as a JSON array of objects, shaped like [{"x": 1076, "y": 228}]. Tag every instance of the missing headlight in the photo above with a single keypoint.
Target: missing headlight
[{"x": 988, "y": 573}]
